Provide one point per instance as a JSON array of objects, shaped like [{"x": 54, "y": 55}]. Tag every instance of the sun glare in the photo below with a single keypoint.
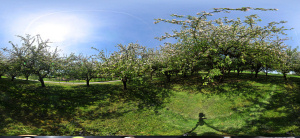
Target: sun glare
[{"x": 54, "y": 32}]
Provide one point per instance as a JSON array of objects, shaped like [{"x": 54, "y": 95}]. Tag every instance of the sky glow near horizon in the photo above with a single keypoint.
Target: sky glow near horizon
[{"x": 77, "y": 25}]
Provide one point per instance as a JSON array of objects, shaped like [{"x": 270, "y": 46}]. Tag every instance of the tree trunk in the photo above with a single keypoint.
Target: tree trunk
[
  {"x": 12, "y": 78},
  {"x": 258, "y": 66},
  {"x": 87, "y": 82},
  {"x": 124, "y": 80},
  {"x": 238, "y": 71},
  {"x": 266, "y": 73},
  {"x": 256, "y": 72},
  {"x": 221, "y": 77},
  {"x": 42, "y": 81},
  {"x": 184, "y": 74},
  {"x": 229, "y": 71},
  {"x": 284, "y": 76},
  {"x": 26, "y": 78},
  {"x": 151, "y": 74},
  {"x": 168, "y": 76}
]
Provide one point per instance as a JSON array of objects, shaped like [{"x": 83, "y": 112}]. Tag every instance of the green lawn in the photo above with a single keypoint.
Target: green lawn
[{"x": 240, "y": 106}]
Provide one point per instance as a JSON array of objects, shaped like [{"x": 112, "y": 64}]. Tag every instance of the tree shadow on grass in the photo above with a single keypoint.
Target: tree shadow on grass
[
  {"x": 139, "y": 96},
  {"x": 282, "y": 100},
  {"x": 46, "y": 108},
  {"x": 103, "y": 96},
  {"x": 148, "y": 94},
  {"x": 283, "y": 119},
  {"x": 283, "y": 104}
]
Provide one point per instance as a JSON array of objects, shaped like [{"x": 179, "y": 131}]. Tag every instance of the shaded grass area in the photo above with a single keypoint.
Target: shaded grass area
[
  {"x": 242, "y": 105},
  {"x": 63, "y": 109}
]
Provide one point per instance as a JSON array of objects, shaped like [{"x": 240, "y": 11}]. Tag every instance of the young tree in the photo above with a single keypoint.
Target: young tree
[
  {"x": 14, "y": 67},
  {"x": 170, "y": 61},
  {"x": 153, "y": 64},
  {"x": 127, "y": 62},
  {"x": 14, "y": 63},
  {"x": 67, "y": 67},
  {"x": 288, "y": 61},
  {"x": 87, "y": 67}
]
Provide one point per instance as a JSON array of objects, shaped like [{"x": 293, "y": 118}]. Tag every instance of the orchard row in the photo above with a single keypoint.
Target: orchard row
[{"x": 215, "y": 46}]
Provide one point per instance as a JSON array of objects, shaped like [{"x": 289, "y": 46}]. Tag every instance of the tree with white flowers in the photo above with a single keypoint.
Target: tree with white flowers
[
  {"x": 215, "y": 44},
  {"x": 13, "y": 67},
  {"x": 35, "y": 56},
  {"x": 87, "y": 67},
  {"x": 170, "y": 62},
  {"x": 127, "y": 62},
  {"x": 289, "y": 61}
]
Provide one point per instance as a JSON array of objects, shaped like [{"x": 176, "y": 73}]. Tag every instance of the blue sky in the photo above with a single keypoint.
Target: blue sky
[{"x": 77, "y": 25}]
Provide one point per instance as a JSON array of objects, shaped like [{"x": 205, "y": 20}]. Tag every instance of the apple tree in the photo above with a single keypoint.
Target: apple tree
[
  {"x": 127, "y": 62},
  {"x": 36, "y": 57}
]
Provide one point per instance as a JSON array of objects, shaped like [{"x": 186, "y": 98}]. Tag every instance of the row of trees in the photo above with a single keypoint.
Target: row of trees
[
  {"x": 216, "y": 46},
  {"x": 222, "y": 45}
]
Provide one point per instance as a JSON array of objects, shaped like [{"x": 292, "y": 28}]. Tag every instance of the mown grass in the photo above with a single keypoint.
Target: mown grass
[{"x": 242, "y": 105}]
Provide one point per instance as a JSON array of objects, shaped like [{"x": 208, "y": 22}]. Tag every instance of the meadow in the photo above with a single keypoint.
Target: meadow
[{"x": 241, "y": 106}]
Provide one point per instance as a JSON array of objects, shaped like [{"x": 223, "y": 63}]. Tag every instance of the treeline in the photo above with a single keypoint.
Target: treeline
[{"x": 216, "y": 46}]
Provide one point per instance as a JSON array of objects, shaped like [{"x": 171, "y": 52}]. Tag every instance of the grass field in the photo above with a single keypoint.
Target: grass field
[{"x": 267, "y": 106}]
